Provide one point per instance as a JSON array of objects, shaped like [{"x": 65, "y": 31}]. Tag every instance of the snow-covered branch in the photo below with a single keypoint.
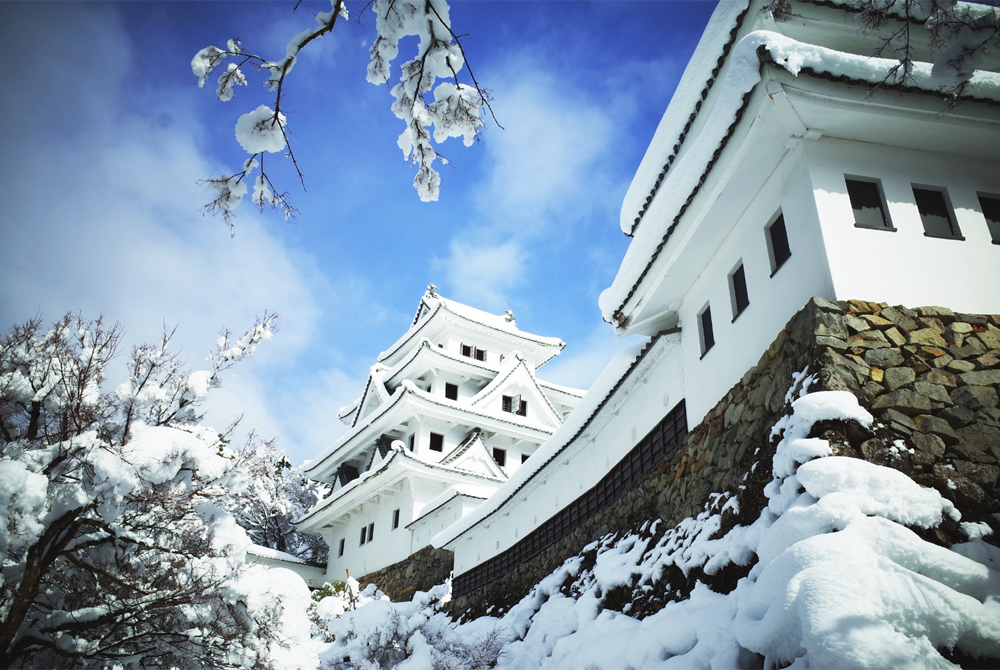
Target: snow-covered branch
[{"x": 431, "y": 111}]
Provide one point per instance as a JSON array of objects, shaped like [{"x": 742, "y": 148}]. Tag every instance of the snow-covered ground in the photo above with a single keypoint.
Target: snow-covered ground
[{"x": 839, "y": 579}]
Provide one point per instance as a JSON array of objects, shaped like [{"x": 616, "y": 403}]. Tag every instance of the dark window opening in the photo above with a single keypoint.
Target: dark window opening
[
  {"x": 522, "y": 408},
  {"x": 777, "y": 244},
  {"x": 506, "y": 403},
  {"x": 991, "y": 210},
  {"x": 935, "y": 213},
  {"x": 868, "y": 204},
  {"x": 467, "y": 350},
  {"x": 413, "y": 439},
  {"x": 514, "y": 405},
  {"x": 524, "y": 457},
  {"x": 395, "y": 519},
  {"x": 371, "y": 531},
  {"x": 364, "y": 536},
  {"x": 451, "y": 391},
  {"x": 500, "y": 456},
  {"x": 437, "y": 442},
  {"x": 738, "y": 287},
  {"x": 480, "y": 354},
  {"x": 474, "y": 352},
  {"x": 340, "y": 549},
  {"x": 707, "y": 336}
]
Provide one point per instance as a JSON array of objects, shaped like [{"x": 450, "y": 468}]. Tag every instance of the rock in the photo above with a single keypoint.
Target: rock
[
  {"x": 869, "y": 339},
  {"x": 959, "y": 367},
  {"x": 856, "y": 325},
  {"x": 933, "y": 391},
  {"x": 989, "y": 416},
  {"x": 896, "y": 337},
  {"x": 919, "y": 365},
  {"x": 927, "y": 423},
  {"x": 898, "y": 317},
  {"x": 960, "y": 327},
  {"x": 957, "y": 416},
  {"x": 905, "y": 401},
  {"x": 981, "y": 473},
  {"x": 962, "y": 491},
  {"x": 990, "y": 338},
  {"x": 979, "y": 438},
  {"x": 825, "y": 305},
  {"x": 943, "y": 314},
  {"x": 875, "y": 451},
  {"x": 929, "y": 444},
  {"x": 928, "y": 337},
  {"x": 897, "y": 377},
  {"x": 891, "y": 416},
  {"x": 990, "y": 360},
  {"x": 941, "y": 378},
  {"x": 876, "y": 321},
  {"x": 979, "y": 378},
  {"x": 941, "y": 361},
  {"x": 884, "y": 358},
  {"x": 832, "y": 342},
  {"x": 932, "y": 322},
  {"x": 975, "y": 397},
  {"x": 877, "y": 375}
]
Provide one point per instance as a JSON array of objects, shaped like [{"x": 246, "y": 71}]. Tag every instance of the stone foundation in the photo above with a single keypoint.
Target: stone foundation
[
  {"x": 418, "y": 572},
  {"x": 928, "y": 375}
]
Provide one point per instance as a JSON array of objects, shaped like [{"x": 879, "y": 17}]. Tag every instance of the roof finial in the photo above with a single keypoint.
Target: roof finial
[
  {"x": 510, "y": 316},
  {"x": 430, "y": 290}
]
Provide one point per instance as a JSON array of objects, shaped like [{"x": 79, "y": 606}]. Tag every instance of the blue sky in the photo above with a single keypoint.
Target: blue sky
[{"x": 105, "y": 136}]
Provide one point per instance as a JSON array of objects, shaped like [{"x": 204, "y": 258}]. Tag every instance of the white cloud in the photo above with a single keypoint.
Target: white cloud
[{"x": 482, "y": 275}]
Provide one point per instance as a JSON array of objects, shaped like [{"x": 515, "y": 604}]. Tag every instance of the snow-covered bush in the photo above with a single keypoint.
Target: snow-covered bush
[{"x": 114, "y": 550}]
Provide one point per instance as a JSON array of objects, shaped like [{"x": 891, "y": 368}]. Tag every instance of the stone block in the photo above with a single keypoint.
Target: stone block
[
  {"x": 991, "y": 337},
  {"x": 980, "y": 438},
  {"x": 981, "y": 473},
  {"x": 929, "y": 444},
  {"x": 832, "y": 342},
  {"x": 891, "y": 416},
  {"x": 941, "y": 361},
  {"x": 989, "y": 416},
  {"x": 825, "y": 305},
  {"x": 898, "y": 377},
  {"x": 960, "y": 327},
  {"x": 896, "y": 337},
  {"x": 856, "y": 325},
  {"x": 941, "y": 378},
  {"x": 905, "y": 401},
  {"x": 933, "y": 391},
  {"x": 926, "y": 336},
  {"x": 876, "y": 321},
  {"x": 927, "y": 423},
  {"x": 958, "y": 367},
  {"x": 957, "y": 416},
  {"x": 974, "y": 319},
  {"x": 941, "y": 313},
  {"x": 869, "y": 339},
  {"x": 899, "y": 318},
  {"x": 884, "y": 358},
  {"x": 931, "y": 322},
  {"x": 989, "y": 360},
  {"x": 975, "y": 397},
  {"x": 875, "y": 451},
  {"x": 979, "y": 377}
]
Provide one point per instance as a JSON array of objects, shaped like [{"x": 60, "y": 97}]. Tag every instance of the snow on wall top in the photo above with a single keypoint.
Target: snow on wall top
[
  {"x": 742, "y": 76},
  {"x": 684, "y": 105}
]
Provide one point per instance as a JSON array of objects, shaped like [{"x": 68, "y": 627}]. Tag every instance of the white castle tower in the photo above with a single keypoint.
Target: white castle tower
[{"x": 449, "y": 412}]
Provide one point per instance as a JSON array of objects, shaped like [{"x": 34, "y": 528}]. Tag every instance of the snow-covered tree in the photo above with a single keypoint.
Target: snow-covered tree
[
  {"x": 276, "y": 493},
  {"x": 114, "y": 550},
  {"x": 431, "y": 111}
]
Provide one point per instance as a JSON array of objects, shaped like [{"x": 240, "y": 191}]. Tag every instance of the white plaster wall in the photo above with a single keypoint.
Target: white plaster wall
[
  {"x": 773, "y": 300},
  {"x": 906, "y": 267},
  {"x": 624, "y": 420},
  {"x": 387, "y": 547}
]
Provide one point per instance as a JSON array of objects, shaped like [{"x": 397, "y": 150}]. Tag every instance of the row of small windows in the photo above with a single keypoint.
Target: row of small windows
[
  {"x": 514, "y": 405},
  {"x": 368, "y": 533},
  {"x": 473, "y": 352},
  {"x": 500, "y": 456},
  {"x": 936, "y": 213}
]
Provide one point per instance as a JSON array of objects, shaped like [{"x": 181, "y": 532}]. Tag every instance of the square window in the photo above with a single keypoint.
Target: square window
[
  {"x": 451, "y": 391},
  {"x": 507, "y": 403},
  {"x": 738, "y": 291},
  {"x": 364, "y": 536},
  {"x": 395, "y": 519},
  {"x": 777, "y": 243},
  {"x": 935, "y": 213},
  {"x": 500, "y": 456},
  {"x": 522, "y": 408},
  {"x": 480, "y": 354},
  {"x": 371, "y": 531},
  {"x": 868, "y": 203},
  {"x": 991, "y": 210},
  {"x": 524, "y": 457},
  {"x": 437, "y": 442},
  {"x": 707, "y": 336},
  {"x": 340, "y": 549},
  {"x": 467, "y": 350}
]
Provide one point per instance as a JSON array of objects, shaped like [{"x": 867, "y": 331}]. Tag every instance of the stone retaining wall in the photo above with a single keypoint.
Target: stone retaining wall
[
  {"x": 418, "y": 572},
  {"x": 930, "y": 377}
]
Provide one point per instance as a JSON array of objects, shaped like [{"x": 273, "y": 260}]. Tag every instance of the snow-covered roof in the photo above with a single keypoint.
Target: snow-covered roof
[
  {"x": 396, "y": 462},
  {"x": 604, "y": 388},
  {"x": 725, "y": 69},
  {"x": 433, "y": 307}
]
